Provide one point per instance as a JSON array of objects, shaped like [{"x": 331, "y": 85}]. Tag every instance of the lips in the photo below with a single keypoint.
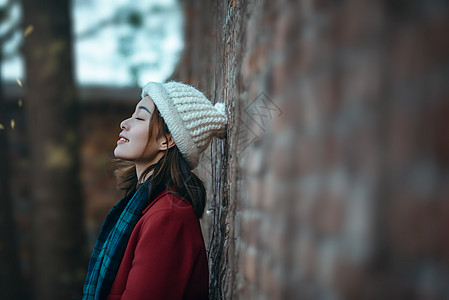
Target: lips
[{"x": 122, "y": 140}]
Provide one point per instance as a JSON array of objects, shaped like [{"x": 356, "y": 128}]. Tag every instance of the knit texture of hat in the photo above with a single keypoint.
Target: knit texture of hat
[{"x": 189, "y": 115}]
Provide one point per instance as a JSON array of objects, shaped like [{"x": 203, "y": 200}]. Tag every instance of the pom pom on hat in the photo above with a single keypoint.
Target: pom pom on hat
[
  {"x": 189, "y": 115},
  {"x": 220, "y": 107}
]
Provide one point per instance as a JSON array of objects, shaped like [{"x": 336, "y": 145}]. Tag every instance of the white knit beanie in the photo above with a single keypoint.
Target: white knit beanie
[{"x": 189, "y": 115}]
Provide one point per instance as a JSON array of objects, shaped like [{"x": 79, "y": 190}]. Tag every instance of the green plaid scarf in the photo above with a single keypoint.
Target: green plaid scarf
[{"x": 111, "y": 244}]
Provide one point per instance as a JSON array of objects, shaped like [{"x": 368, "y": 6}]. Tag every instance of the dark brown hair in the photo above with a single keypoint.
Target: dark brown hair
[{"x": 170, "y": 172}]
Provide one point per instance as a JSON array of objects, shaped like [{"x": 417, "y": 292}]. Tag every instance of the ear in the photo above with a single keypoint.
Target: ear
[{"x": 167, "y": 144}]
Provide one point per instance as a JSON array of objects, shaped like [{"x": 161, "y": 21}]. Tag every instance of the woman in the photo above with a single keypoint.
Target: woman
[{"x": 151, "y": 245}]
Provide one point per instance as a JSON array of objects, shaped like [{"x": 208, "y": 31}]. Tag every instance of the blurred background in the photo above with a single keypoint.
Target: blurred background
[
  {"x": 332, "y": 183},
  {"x": 71, "y": 71}
]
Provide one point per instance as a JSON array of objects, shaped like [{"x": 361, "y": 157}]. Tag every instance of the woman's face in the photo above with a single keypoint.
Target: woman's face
[{"x": 132, "y": 144}]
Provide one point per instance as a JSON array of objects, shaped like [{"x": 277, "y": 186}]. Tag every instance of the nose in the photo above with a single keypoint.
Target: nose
[{"x": 124, "y": 124}]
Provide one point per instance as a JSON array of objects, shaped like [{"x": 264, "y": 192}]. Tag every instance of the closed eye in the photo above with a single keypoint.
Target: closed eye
[{"x": 140, "y": 119}]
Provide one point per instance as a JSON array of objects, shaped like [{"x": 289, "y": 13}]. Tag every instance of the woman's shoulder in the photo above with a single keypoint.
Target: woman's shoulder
[
  {"x": 169, "y": 217},
  {"x": 172, "y": 214},
  {"x": 168, "y": 202}
]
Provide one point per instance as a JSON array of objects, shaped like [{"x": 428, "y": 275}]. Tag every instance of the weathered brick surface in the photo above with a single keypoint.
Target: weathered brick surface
[{"x": 333, "y": 184}]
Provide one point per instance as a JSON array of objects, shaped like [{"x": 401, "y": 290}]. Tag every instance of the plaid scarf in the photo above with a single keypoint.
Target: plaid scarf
[{"x": 111, "y": 244}]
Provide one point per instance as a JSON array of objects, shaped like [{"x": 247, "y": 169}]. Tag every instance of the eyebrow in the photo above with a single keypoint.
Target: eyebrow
[{"x": 144, "y": 108}]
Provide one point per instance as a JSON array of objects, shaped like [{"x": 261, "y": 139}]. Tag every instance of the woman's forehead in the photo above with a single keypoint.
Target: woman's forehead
[{"x": 147, "y": 102}]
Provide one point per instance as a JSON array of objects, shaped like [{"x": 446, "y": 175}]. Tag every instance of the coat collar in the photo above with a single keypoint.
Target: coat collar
[{"x": 161, "y": 194}]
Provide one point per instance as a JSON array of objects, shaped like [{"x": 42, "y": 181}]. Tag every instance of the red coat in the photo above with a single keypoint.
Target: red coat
[{"x": 165, "y": 257}]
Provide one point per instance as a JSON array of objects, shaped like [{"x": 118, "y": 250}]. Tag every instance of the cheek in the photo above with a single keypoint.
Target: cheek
[{"x": 141, "y": 137}]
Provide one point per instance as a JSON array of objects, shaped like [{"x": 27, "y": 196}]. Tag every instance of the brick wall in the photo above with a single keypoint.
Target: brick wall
[{"x": 333, "y": 181}]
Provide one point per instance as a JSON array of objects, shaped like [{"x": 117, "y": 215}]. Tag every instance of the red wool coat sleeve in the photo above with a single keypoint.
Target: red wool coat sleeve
[{"x": 165, "y": 257}]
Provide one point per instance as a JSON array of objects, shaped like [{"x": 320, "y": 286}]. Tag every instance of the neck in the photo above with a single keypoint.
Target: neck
[
  {"x": 139, "y": 171},
  {"x": 142, "y": 166}
]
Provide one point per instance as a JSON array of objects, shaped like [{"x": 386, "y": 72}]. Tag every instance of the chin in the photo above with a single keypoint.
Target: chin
[
  {"x": 119, "y": 155},
  {"x": 116, "y": 154}
]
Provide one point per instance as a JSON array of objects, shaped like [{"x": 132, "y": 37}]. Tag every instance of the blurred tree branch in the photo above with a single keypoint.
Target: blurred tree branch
[
  {"x": 128, "y": 16},
  {"x": 16, "y": 26},
  {"x": 11, "y": 282}
]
